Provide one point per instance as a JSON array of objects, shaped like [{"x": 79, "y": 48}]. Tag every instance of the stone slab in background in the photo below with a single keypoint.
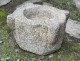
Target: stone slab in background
[
  {"x": 35, "y": 0},
  {"x": 39, "y": 2},
  {"x": 73, "y": 28},
  {"x": 77, "y": 3},
  {"x": 38, "y": 28},
  {"x": 4, "y": 2}
]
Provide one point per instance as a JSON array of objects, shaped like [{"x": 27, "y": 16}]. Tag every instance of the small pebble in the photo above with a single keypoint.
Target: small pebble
[
  {"x": 18, "y": 59},
  {"x": 16, "y": 50},
  {"x": 1, "y": 42},
  {"x": 50, "y": 56}
]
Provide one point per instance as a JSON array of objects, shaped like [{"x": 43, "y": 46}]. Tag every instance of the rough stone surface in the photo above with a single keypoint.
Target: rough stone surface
[
  {"x": 38, "y": 28},
  {"x": 77, "y": 3},
  {"x": 73, "y": 28},
  {"x": 4, "y": 2}
]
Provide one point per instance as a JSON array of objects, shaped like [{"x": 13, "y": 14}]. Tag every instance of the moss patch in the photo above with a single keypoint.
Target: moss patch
[
  {"x": 4, "y": 47},
  {"x": 3, "y": 17},
  {"x": 76, "y": 47},
  {"x": 68, "y": 58},
  {"x": 70, "y": 51},
  {"x": 75, "y": 15},
  {"x": 3, "y": 14},
  {"x": 55, "y": 56}
]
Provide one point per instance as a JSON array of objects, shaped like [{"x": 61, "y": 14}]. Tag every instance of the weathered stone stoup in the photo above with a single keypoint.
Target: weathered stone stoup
[{"x": 38, "y": 28}]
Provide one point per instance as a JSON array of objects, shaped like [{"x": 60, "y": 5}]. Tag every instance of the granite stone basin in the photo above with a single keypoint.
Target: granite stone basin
[{"x": 38, "y": 28}]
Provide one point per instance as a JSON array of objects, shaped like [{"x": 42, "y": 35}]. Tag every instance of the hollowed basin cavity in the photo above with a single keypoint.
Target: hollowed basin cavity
[{"x": 38, "y": 13}]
